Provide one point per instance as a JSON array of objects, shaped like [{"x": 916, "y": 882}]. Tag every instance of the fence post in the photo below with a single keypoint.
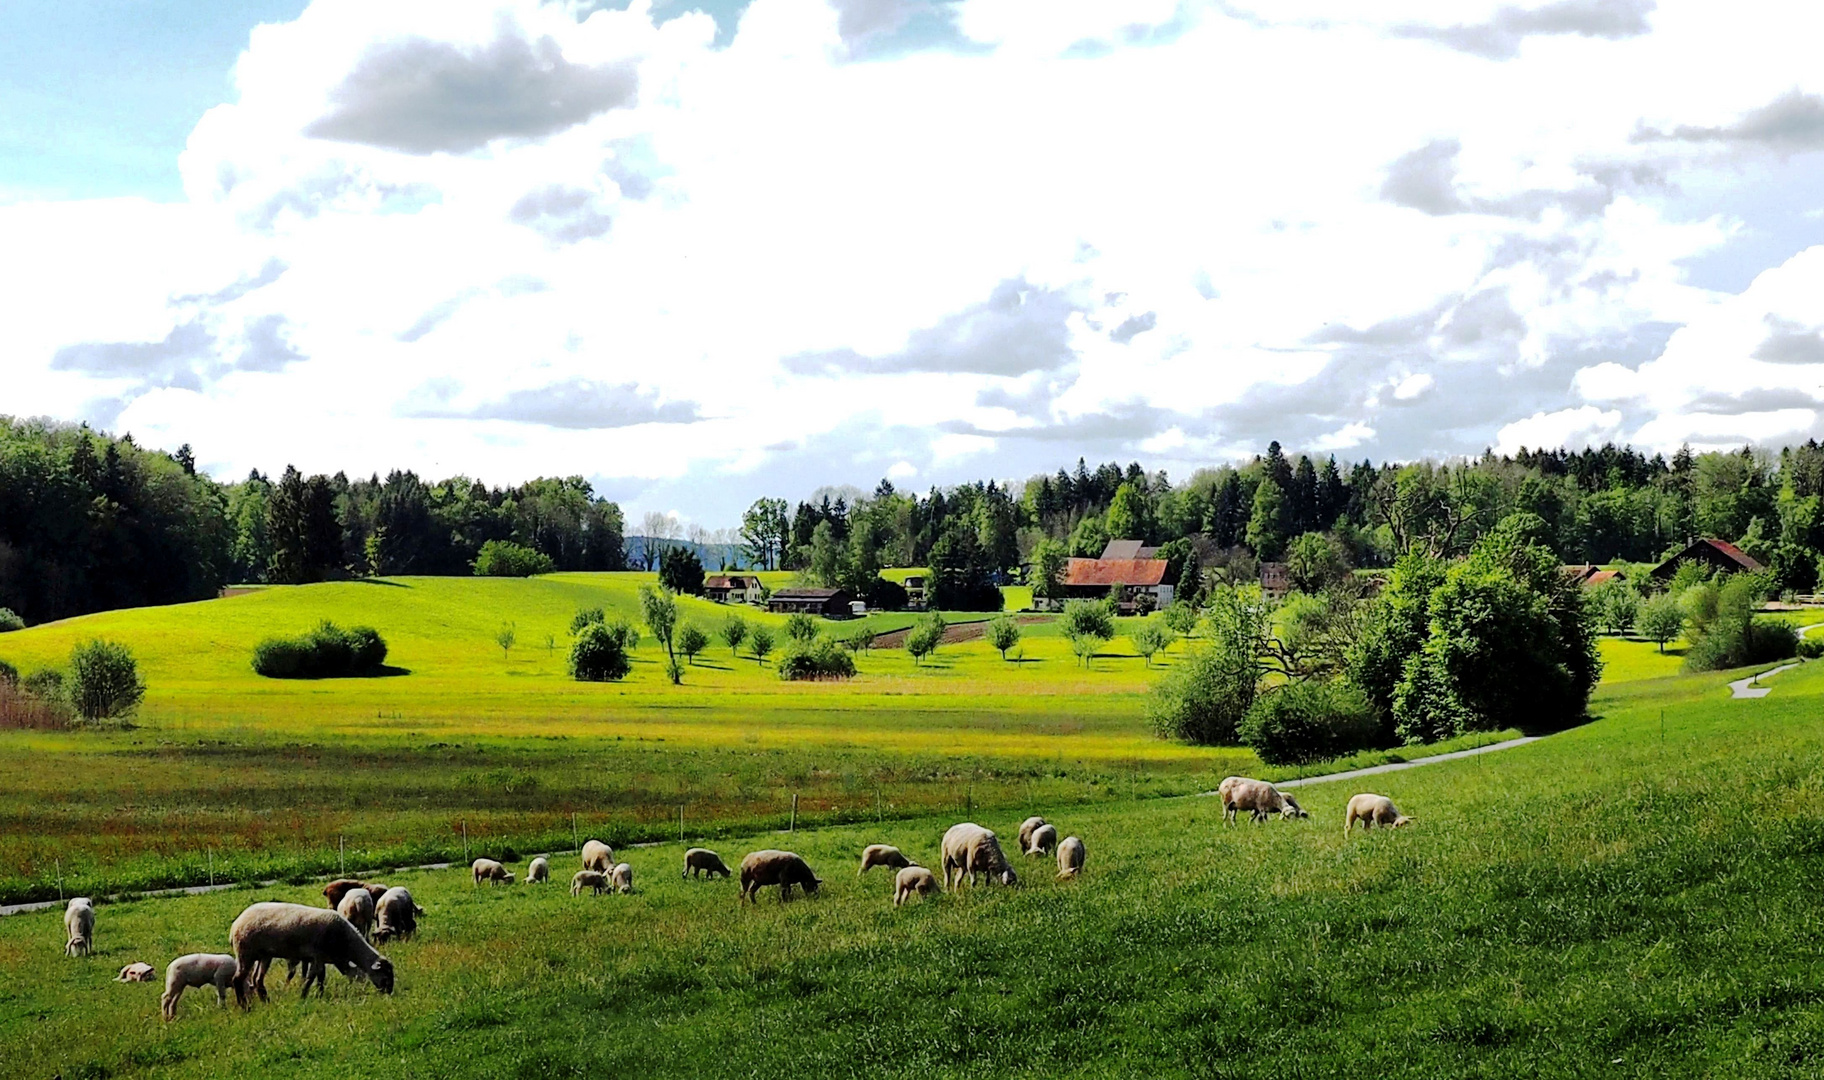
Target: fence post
[
  {"x": 794, "y": 825},
  {"x": 211, "y": 867},
  {"x": 575, "y": 837}
]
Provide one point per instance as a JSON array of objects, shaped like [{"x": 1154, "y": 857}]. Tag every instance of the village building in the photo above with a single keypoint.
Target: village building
[
  {"x": 1125, "y": 579},
  {"x": 733, "y": 589},
  {"x": 1719, "y": 555},
  {"x": 916, "y": 586},
  {"x": 1275, "y": 580},
  {"x": 829, "y": 603}
]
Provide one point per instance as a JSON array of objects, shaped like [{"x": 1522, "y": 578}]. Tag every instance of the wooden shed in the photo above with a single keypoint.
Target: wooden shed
[{"x": 829, "y": 603}]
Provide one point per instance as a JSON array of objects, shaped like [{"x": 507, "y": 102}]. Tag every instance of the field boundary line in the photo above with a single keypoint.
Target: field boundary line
[{"x": 1395, "y": 766}]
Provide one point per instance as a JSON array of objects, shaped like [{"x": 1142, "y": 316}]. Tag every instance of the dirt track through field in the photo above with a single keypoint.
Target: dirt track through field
[{"x": 954, "y": 633}]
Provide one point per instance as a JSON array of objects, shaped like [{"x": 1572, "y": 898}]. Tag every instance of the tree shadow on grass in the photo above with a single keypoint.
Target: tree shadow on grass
[
  {"x": 379, "y": 581},
  {"x": 384, "y": 671}
]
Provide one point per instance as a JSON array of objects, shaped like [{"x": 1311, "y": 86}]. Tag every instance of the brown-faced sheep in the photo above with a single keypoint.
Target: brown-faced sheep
[
  {"x": 1257, "y": 797},
  {"x": 396, "y": 916},
  {"x": 1372, "y": 810},
  {"x": 913, "y": 879},
  {"x": 316, "y": 938},
  {"x": 336, "y": 890},
  {"x": 593, "y": 880},
  {"x": 699, "y": 861},
  {"x": 968, "y": 850},
  {"x": 538, "y": 871},
  {"x": 597, "y": 856},
  {"x": 1070, "y": 857},
  {"x": 357, "y": 907},
  {"x": 782, "y": 868},
  {"x": 197, "y": 969},
  {"x": 79, "y": 926},
  {"x": 621, "y": 878},
  {"x": 1027, "y": 828},
  {"x": 1044, "y": 839},
  {"x": 491, "y": 872},
  {"x": 138, "y": 971},
  {"x": 881, "y": 855}
]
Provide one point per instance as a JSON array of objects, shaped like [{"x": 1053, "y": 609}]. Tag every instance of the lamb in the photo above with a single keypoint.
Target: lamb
[
  {"x": 699, "y": 861},
  {"x": 621, "y": 877},
  {"x": 593, "y": 880},
  {"x": 913, "y": 879},
  {"x": 336, "y": 890},
  {"x": 1044, "y": 839},
  {"x": 79, "y": 923},
  {"x": 1372, "y": 810},
  {"x": 881, "y": 855},
  {"x": 538, "y": 871},
  {"x": 358, "y": 908},
  {"x": 136, "y": 972},
  {"x": 318, "y": 939},
  {"x": 1070, "y": 857},
  {"x": 491, "y": 872},
  {"x": 781, "y": 868},
  {"x": 597, "y": 856},
  {"x": 1027, "y": 828},
  {"x": 969, "y": 850},
  {"x": 1257, "y": 797},
  {"x": 197, "y": 969},
  {"x": 396, "y": 916}
]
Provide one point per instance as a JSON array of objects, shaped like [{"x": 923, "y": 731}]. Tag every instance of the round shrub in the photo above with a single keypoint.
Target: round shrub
[
  {"x": 598, "y": 655},
  {"x": 1810, "y": 648},
  {"x": 819, "y": 659},
  {"x": 46, "y": 684},
  {"x": 1308, "y": 721},
  {"x": 503, "y": 558},
  {"x": 10, "y": 621},
  {"x": 326, "y": 652},
  {"x": 104, "y": 680}
]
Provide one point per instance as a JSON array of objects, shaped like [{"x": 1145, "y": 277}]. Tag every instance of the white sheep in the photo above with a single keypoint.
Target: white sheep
[
  {"x": 699, "y": 861},
  {"x": 1257, "y": 797},
  {"x": 314, "y": 937},
  {"x": 197, "y": 969},
  {"x": 1027, "y": 828},
  {"x": 593, "y": 880},
  {"x": 881, "y": 855},
  {"x": 538, "y": 871},
  {"x": 621, "y": 877},
  {"x": 396, "y": 916},
  {"x": 1070, "y": 857},
  {"x": 79, "y": 925},
  {"x": 597, "y": 856},
  {"x": 782, "y": 868},
  {"x": 138, "y": 971},
  {"x": 913, "y": 879},
  {"x": 357, "y": 907},
  {"x": 1044, "y": 839},
  {"x": 968, "y": 850},
  {"x": 1372, "y": 810},
  {"x": 491, "y": 872}
]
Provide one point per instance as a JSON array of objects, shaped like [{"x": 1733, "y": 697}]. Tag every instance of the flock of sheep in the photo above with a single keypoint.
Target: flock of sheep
[{"x": 361, "y": 914}]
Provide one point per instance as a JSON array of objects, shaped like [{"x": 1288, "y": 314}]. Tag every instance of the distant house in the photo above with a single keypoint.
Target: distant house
[
  {"x": 1092, "y": 579},
  {"x": 1580, "y": 572},
  {"x": 1720, "y": 555},
  {"x": 829, "y": 603},
  {"x": 1129, "y": 549},
  {"x": 733, "y": 588},
  {"x": 916, "y": 594},
  {"x": 1601, "y": 576},
  {"x": 1275, "y": 580}
]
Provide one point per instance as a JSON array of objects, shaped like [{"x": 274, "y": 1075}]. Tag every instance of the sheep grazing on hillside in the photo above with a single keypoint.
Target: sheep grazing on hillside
[
  {"x": 593, "y": 880},
  {"x": 491, "y": 872},
  {"x": 538, "y": 871},
  {"x": 881, "y": 855},
  {"x": 913, "y": 879},
  {"x": 316, "y": 938},
  {"x": 782, "y": 868},
  {"x": 621, "y": 878},
  {"x": 396, "y": 916},
  {"x": 597, "y": 856},
  {"x": 1044, "y": 839},
  {"x": 357, "y": 907},
  {"x": 336, "y": 890},
  {"x": 1070, "y": 857},
  {"x": 969, "y": 850},
  {"x": 1027, "y": 828},
  {"x": 79, "y": 925},
  {"x": 197, "y": 969},
  {"x": 1372, "y": 810},
  {"x": 699, "y": 861},
  {"x": 1257, "y": 797}
]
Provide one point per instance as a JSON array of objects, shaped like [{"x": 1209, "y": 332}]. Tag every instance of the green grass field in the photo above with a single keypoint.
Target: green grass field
[{"x": 1634, "y": 897}]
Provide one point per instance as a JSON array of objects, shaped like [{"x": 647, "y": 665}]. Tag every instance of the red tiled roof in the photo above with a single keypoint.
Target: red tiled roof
[
  {"x": 727, "y": 581},
  {"x": 1601, "y": 576},
  {"x": 1747, "y": 561},
  {"x": 1105, "y": 572},
  {"x": 808, "y": 593}
]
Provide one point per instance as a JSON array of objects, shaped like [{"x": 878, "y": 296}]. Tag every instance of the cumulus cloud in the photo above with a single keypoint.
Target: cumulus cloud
[
  {"x": 1790, "y": 123},
  {"x": 1133, "y": 326},
  {"x": 564, "y": 214},
  {"x": 1789, "y": 342},
  {"x": 1500, "y": 37},
  {"x": 577, "y": 404},
  {"x": 1018, "y": 329},
  {"x": 1570, "y": 428}
]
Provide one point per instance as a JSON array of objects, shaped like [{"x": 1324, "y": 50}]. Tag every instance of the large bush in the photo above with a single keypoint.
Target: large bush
[
  {"x": 819, "y": 659},
  {"x": 681, "y": 571},
  {"x": 327, "y": 652},
  {"x": 1733, "y": 637},
  {"x": 1204, "y": 697},
  {"x": 504, "y": 558},
  {"x": 599, "y": 655},
  {"x": 1308, "y": 721},
  {"x": 104, "y": 680},
  {"x": 883, "y": 595},
  {"x": 10, "y": 621}
]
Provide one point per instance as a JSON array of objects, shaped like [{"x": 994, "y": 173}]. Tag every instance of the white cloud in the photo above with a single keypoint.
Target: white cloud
[
  {"x": 1413, "y": 385},
  {"x": 1574, "y": 428}
]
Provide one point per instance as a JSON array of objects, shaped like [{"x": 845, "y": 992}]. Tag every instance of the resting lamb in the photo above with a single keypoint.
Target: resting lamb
[
  {"x": 782, "y": 868},
  {"x": 968, "y": 850},
  {"x": 139, "y": 971}
]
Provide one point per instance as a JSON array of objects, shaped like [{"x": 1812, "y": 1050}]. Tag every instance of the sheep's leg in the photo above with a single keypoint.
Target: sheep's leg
[
  {"x": 221, "y": 996},
  {"x": 169, "y": 1003}
]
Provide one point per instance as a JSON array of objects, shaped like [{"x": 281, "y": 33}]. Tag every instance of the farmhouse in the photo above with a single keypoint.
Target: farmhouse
[
  {"x": 829, "y": 603},
  {"x": 733, "y": 589},
  {"x": 1127, "y": 579},
  {"x": 915, "y": 585},
  {"x": 1720, "y": 555},
  {"x": 1275, "y": 580}
]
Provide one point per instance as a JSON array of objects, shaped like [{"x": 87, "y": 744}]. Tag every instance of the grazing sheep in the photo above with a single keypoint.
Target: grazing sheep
[
  {"x": 782, "y": 868},
  {"x": 396, "y": 916},
  {"x": 1044, "y": 839},
  {"x": 491, "y": 872},
  {"x": 593, "y": 880},
  {"x": 1027, "y": 828},
  {"x": 699, "y": 861},
  {"x": 538, "y": 871},
  {"x": 79, "y": 923},
  {"x": 913, "y": 879},
  {"x": 138, "y": 971},
  {"x": 316, "y": 938},
  {"x": 1257, "y": 797},
  {"x": 336, "y": 890},
  {"x": 197, "y": 969},
  {"x": 1372, "y": 810},
  {"x": 621, "y": 877},
  {"x": 881, "y": 855},
  {"x": 969, "y": 850},
  {"x": 597, "y": 856},
  {"x": 358, "y": 908},
  {"x": 1070, "y": 857}
]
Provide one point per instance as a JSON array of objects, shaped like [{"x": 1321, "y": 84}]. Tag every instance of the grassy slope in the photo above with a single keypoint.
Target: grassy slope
[{"x": 1610, "y": 901}]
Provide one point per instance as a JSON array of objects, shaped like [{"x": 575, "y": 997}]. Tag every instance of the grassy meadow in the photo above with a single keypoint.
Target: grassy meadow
[{"x": 1635, "y": 897}]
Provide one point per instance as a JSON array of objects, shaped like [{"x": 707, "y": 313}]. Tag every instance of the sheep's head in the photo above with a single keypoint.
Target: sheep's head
[
  {"x": 1008, "y": 877},
  {"x": 380, "y": 973},
  {"x": 1401, "y": 821},
  {"x": 811, "y": 884},
  {"x": 508, "y": 878},
  {"x": 1291, "y": 810}
]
